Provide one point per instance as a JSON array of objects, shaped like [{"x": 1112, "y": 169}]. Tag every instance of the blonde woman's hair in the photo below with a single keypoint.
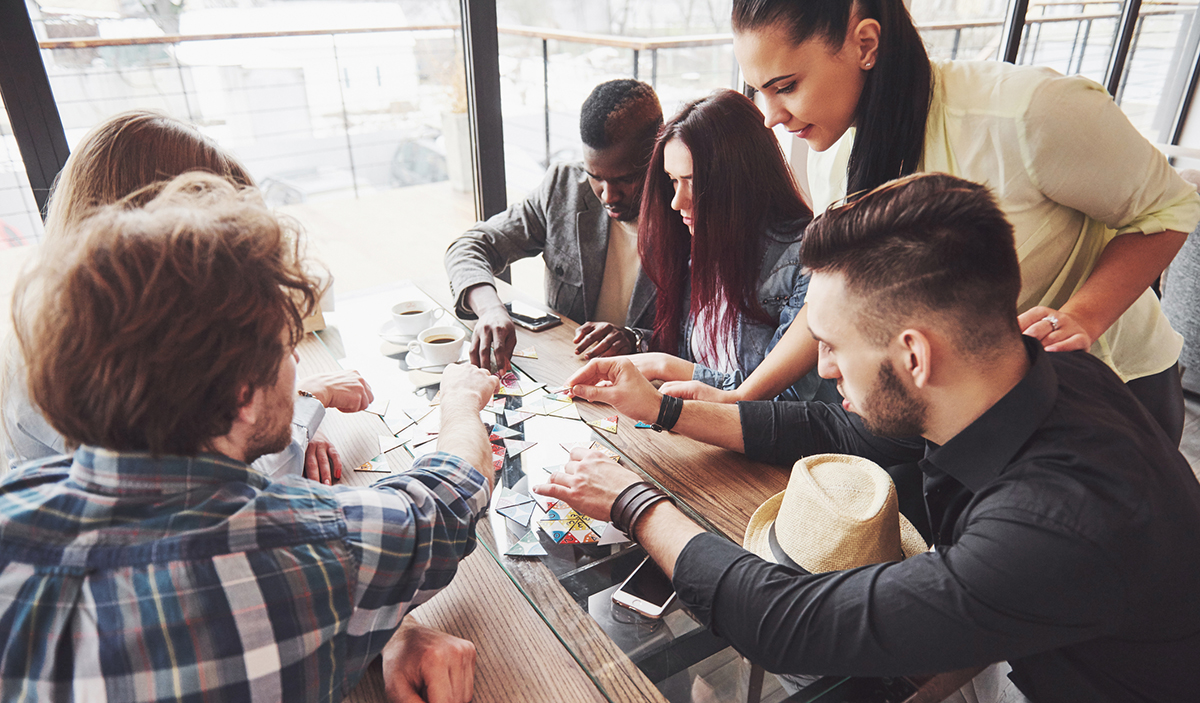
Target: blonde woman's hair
[{"x": 124, "y": 155}]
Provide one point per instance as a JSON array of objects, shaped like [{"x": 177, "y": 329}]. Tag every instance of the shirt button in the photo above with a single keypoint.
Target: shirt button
[{"x": 558, "y": 270}]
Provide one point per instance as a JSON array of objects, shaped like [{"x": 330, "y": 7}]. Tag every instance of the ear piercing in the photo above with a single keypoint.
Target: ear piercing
[{"x": 869, "y": 64}]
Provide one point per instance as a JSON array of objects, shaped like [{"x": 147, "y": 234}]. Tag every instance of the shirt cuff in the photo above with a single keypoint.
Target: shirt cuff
[
  {"x": 698, "y": 571},
  {"x": 758, "y": 428},
  {"x": 307, "y": 414}
]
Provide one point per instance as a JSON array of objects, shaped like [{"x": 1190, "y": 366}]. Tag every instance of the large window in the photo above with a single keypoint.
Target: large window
[{"x": 351, "y": 116}]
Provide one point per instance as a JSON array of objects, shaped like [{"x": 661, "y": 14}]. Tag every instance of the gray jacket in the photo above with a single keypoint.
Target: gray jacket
[{"x": 563, "y": 221}]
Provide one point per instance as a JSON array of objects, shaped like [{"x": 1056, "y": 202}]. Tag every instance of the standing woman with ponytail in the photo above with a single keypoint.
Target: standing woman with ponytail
[{"x": 1097, "y": 211}]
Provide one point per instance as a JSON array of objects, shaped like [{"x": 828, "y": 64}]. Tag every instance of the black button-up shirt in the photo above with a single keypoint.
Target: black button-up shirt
[{"x": 1067, "y": 542}]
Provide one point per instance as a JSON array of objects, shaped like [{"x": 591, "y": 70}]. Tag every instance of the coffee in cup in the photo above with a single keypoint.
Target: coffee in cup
[
  {"x": 438, "y": 346},
  {"x": 412, "y": 316}
]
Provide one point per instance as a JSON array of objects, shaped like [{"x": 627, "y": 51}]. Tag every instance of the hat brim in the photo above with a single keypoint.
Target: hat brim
[{"x": 758, "y": 530}]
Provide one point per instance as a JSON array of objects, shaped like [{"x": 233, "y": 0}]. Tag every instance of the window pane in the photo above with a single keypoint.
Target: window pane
[
  {"x": 554, "y": 52},
  {"x": 348, "y": 121},
  {"x": 960, "y": 29},
  {"x": 20, "y": 223},
  {"x": 1079, "y": 38}
]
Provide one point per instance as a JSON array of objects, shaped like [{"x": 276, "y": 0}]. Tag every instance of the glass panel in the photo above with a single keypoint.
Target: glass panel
[
  {"x": 350, "y": 116},
  {"x": 1156, "y": 72},
  {"x": 1079, "y": 37},
  {"x": 960, "y": 29},
  {"x": 20, "y": 223},
  {"x": 554, "y": 52}
]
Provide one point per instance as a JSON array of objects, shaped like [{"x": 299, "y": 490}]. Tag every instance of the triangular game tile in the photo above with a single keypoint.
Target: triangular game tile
[
  {"x": 568, "y": 411},
  {"x": 608, "y": 424},
  {"x": 519, "y": 514},
  {"x": 387, "y": 444},
  {"x": 611, "y": 535},
  {"x": 528, "y": 546},
  {"x": 516, "y": 446},
  {"x": 529, "y": 353},
  {"x": 503, "y": 432},
  {"x": 516, "y": 417},
  {"x": 378, "y": 407},
  {"x": 377, "y": 465}
]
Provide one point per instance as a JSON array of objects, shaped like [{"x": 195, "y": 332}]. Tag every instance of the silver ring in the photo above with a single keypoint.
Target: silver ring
[{"x": 1052, "y": 320}]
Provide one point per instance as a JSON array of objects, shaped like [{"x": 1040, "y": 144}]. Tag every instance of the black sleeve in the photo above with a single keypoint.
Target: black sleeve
[
  {"x": 1008, "y": 589},
  {"x": 780, "y": 432}
]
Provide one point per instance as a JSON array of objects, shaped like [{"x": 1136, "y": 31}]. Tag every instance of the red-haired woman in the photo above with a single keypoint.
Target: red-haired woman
[{"x": 721, "y": 225}]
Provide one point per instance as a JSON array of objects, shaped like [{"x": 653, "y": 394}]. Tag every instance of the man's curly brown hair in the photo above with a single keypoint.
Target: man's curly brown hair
[{"x": 150, "y": 329}]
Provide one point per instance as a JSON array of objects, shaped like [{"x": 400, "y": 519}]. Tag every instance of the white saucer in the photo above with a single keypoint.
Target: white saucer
[
  {"x": 389, "y": 333},
  {"x": 415, "y": 362}
]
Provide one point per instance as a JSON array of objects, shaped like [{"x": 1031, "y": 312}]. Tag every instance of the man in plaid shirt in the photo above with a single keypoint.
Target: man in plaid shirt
[{"x": 156, "y": 564}]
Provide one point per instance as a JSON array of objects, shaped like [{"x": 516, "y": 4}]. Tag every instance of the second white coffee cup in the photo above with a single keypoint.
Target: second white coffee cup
[
  {"x": 439, "y": 345},
  {"x": 412, "y": 316}
]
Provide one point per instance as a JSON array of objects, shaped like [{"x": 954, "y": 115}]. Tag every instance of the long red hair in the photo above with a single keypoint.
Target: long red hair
[{"x": 741, "y": 186}]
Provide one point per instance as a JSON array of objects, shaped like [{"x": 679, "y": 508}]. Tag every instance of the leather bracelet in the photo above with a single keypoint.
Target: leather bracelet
[
  {"x": 632, "y": 502},
  {"x": 668, "y": 413},
  {"x": 624, "y": 498},
  {"x": 641, "y": 508}
]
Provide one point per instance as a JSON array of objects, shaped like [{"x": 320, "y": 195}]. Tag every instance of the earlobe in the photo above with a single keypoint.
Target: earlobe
[
  {"x": 867, "y": 39},
  {"x": 918, "y": 356}
]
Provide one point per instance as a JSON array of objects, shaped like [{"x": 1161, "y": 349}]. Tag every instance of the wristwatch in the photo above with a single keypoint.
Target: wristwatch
[{"x": 637, "y": 338}]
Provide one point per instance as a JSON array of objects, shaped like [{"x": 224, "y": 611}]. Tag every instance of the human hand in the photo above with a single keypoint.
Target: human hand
[
  {"x": 347, "y": 391},
  {"x": 493, "y": 340},
  {"x": 471, "y": 385},
  {"x": 590, "y": 483},
  {"x": 617, "y": 382},
  {"x": 426, "y": 665},
  {"x": 603, "y": 339},
  {"x": 698, "y": 390},
  {"x": 321, "y": 460},
  {"x": 1064, "y": 334},
  {"x": 657, "y": 366}
]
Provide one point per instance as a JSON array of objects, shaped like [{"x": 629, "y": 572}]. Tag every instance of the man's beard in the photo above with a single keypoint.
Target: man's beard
[
  {"x": 273, "y": 434},
  {"x": 892, "y": 411}
]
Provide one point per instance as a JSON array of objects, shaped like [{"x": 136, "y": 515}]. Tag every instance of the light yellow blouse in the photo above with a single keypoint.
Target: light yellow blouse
[{"x": 1070, "y": 173}]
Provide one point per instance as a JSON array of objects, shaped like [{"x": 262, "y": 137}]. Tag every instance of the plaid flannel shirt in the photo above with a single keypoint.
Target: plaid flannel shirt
[{"x": 129, "y": 578}]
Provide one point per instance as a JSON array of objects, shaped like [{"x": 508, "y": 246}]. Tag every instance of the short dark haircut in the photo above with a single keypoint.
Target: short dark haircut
[
  {"x": 618, "y": 111},
  {"x": 157, "y": 322},
  {"x": 925, "y": 245}
]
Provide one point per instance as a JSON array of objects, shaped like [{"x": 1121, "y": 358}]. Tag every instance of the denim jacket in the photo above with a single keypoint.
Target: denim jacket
[{"x": 782, "y": 286}]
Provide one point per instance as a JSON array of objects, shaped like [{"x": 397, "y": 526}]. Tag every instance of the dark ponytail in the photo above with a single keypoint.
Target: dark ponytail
[{"x": 894, "y": 106}]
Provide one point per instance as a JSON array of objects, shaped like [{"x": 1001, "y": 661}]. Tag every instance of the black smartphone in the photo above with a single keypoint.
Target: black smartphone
[
  {"x": 647, "y": 590},
  {"x": 530, "y": 317}
]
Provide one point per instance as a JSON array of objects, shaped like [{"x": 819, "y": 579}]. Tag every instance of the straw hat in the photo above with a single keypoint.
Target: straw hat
[{"x": 838, "y": 512}]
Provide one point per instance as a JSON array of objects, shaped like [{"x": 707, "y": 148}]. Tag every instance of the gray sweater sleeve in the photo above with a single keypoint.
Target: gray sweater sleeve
[{"x": 490, "y": 247}]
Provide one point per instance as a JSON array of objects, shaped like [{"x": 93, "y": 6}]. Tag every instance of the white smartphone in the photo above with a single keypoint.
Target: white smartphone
[{"x": 647, "y": 590}]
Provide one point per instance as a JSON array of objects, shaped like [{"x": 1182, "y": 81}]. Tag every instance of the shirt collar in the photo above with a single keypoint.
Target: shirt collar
[
  {"x": 139, "y": 472},
  {"x": 980, "y": 452}
]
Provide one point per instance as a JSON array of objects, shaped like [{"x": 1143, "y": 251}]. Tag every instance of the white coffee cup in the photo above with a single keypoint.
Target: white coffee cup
[
  {"x": 412, "y": 316},
  {"x": 439, "y": 345}
]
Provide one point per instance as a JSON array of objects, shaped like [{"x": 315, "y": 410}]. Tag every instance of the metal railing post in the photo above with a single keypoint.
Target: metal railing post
[
  {"x": 636, "y": 54},
  {"x": 546, "y": 93},
  {"x": 337, "y": 66},
  {"x": 654, "y": 68},
  {"x": 957, "y": 39}
]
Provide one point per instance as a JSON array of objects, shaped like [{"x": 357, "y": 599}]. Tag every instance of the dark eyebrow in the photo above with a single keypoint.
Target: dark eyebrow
[
  {"x": 814, "y": 334},
  {"x": 775, "y": 80}
]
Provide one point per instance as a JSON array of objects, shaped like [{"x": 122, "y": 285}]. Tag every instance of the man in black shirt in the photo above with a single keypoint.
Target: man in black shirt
[{"x": 1064, "y": 521}]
